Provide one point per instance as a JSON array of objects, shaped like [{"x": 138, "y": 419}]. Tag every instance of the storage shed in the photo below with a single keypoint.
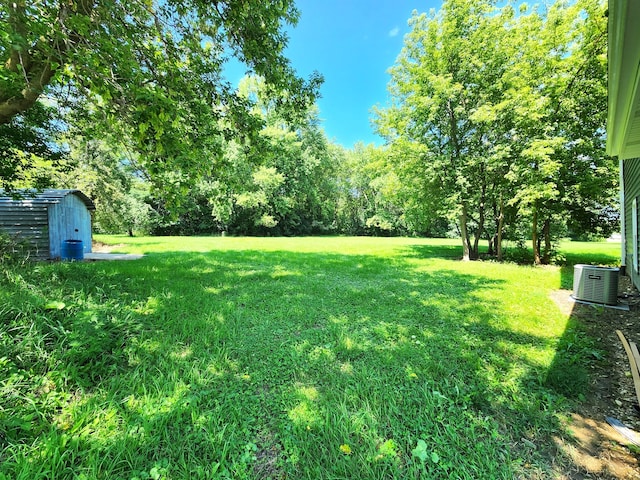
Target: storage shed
[{"x": 45, "y": 219}]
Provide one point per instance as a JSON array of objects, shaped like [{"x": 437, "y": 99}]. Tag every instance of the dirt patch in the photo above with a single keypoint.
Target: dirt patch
[
  {"x": 597, "y": 450},
  {"x": 268, "y": 457}
]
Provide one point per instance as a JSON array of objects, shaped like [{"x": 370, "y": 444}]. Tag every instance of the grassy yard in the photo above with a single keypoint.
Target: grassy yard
[{"x": 332, "y": 358}]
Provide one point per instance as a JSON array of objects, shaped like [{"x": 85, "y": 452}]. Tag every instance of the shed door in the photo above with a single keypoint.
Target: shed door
[{"x": 69, "y": 220}]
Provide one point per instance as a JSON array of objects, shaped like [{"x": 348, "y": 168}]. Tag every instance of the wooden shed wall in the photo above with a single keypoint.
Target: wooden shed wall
[
  {"x": 69, "y": 219},
  {"x": 631, "y": 172},
  {"x": 47, "y": 218},
  {"x": 27, "y": 220}
]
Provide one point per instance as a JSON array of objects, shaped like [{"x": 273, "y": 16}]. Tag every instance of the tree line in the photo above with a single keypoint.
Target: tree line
[
  {"x": 498, "y": 119},
  {"x": 494, "y": 129}
]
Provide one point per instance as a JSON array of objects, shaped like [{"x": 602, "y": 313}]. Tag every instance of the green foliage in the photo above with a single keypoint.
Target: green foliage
[
  {"x": 150, "y": 74},
  {"x": 368, "y": 202},
  {"x": 264, "y": 357},
  {"x": 111, "y": 177},
  {"x": 494, "y": 129},
  {"x": 12, "y": 251},
  {"x": 28, "y": 153},
  {"x": 279, "y": 183},
  {"x": 497, "y": 116}
]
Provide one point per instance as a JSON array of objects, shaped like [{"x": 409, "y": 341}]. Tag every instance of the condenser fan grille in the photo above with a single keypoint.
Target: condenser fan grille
[{"x": 596, "y": 284}]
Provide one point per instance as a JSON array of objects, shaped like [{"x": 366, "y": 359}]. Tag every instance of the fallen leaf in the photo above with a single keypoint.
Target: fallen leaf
[{"x": 54, "y": 305}]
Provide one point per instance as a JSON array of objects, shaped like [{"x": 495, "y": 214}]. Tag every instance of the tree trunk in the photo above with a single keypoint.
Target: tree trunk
[
  {"x": 493, "y": 239},
  {"x": 546, "y": 233},
  {"x": 38, "y": 70},
  {"x": 499, "y": 230},
  {"x": 464, "y": 234},
  {"x": 475, "y": 253},
  {"x": 534, "y": 237},
  {"x": 466, "y": 249}
]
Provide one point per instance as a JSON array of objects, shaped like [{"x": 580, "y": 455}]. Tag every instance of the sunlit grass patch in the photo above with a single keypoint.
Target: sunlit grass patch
[{"x": 243, "y": 357}]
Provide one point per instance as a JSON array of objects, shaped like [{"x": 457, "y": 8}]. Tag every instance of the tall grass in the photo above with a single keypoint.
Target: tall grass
[{"x": 283, "y": 358}]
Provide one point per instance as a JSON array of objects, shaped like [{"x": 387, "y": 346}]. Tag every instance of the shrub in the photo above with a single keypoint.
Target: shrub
[{"x": 12, "y": 250}]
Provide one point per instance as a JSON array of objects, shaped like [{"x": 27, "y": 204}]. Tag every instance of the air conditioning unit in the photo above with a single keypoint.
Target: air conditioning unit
[{"x": 596, "y": 284}]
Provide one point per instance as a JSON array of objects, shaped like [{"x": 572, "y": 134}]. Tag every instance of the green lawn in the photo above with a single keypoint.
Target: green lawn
[{"x": 291, "y": 358}]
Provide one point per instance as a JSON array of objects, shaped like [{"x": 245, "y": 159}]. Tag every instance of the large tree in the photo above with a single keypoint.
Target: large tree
[
  {"x": 278, "y": 182},
  {"x": 562, "y": 174},
  {"x": 447, "y": 73},
  {"x": 150, "y": 70},
  {"x": 284, "y": 179},
  {"x": 498, "y": 114}
]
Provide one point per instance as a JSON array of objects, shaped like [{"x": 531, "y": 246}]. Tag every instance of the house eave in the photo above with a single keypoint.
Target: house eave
[{"x": 623, "y": 118}]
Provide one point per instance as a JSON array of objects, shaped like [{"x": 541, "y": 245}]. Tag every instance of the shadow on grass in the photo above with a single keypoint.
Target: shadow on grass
[
  {"x": 254, "y": 364},
  {"x": 436, "y": 251},
  {"x": 575, "y": 349},
  {"x": 589, "y": 349}
]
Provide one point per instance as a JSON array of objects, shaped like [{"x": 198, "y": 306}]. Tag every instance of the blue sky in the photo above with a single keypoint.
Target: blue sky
[{"x": 352, "y": 43}]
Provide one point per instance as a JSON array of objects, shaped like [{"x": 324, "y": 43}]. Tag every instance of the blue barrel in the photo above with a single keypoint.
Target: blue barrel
[{"x": 72, "y": 250}]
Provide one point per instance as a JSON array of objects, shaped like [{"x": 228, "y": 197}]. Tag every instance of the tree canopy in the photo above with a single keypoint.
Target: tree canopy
[
  {"x": 500, "y": 113},
  {"x": 150, "y": 70}
]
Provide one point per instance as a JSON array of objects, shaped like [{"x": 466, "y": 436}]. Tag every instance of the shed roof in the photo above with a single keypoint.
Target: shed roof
[{"x": 43, "y": 197}]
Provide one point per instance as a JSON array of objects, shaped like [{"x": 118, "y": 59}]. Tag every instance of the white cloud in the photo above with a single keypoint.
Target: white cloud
[{"x": 394, "y": 32}]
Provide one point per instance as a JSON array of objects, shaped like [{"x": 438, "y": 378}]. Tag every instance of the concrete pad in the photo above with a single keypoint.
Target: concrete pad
[
  {"x": 618, "y": 306},
  {"x": 99, "y": 256}
]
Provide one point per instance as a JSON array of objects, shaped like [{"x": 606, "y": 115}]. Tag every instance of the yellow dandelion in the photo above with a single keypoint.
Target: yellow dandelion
[{"x": 346, "y": 449}]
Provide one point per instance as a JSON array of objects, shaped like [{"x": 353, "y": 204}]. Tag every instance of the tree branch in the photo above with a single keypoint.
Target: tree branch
[{"x": 38, "y": 70}]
